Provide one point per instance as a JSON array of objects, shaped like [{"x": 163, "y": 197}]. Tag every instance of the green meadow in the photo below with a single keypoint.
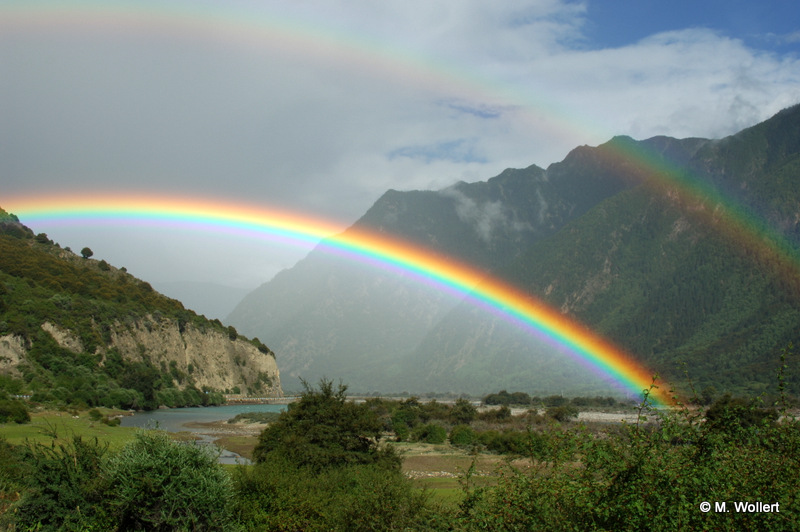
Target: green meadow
[{"x": 45, "y": 426}]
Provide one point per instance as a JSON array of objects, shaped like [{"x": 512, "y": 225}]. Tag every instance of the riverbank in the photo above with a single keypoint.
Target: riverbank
[{"x": 238, "y": 438}]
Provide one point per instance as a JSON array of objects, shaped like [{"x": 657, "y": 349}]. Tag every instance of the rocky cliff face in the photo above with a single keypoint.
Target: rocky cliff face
[{"x": 208, "y": 358}]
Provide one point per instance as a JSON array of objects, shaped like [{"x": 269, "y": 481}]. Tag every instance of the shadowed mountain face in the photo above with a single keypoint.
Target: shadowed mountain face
[{"x": 599, "y": 236}]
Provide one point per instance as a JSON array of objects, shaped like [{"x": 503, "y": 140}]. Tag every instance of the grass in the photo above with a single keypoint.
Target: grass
[
  {"x": 241, "y": 445},
  {"x": 63, "y": 425},
  {"x": 438, "y": 468}
]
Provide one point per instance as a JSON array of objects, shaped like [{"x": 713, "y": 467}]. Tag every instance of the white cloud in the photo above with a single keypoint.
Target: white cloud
[
  {"x": 371, "y": 96},
  {"x": 484, "y": 217}
]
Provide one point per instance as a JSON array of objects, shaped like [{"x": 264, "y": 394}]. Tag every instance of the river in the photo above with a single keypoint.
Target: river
[{"x": 185, "y": 420}]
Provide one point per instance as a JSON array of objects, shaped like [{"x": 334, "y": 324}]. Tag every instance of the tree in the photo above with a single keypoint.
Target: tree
[
  {"x": 86, "y": 253},
  {"x": 324, "y": 429}
]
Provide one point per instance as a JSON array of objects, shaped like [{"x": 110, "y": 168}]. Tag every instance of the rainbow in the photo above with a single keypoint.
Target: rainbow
[
  {"x": 700, "y": 200},
  {"x": 265, "y": 28},
  {"x": 443, "y": 272}
]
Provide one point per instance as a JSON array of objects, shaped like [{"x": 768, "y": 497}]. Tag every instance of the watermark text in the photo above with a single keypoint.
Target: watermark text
[{"x": 722, "y": 507}]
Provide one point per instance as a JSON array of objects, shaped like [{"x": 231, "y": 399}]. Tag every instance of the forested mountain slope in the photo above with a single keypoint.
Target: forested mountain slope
[
  {"x": 663, "y": 273},
  {"x": 633, "y": 238}
]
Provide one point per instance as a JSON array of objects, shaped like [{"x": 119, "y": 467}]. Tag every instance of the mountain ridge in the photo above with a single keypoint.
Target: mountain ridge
[{"x": 611, "y": 201}]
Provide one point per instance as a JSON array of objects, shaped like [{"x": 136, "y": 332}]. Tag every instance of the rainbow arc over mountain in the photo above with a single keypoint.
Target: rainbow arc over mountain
[
  {"x": 423, "y": 264},
  {"x": 243, "y": 26}
]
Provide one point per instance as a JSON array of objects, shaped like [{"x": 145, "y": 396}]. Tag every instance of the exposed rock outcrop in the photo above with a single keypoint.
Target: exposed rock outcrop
[
  {"x": 207, "y": 358},
  {"x": 12, "y": 352},
  {"x": 211, "y": 358}
]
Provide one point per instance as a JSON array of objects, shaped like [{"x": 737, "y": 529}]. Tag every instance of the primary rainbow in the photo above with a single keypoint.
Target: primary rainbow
[{"x": 441, "y": 271}]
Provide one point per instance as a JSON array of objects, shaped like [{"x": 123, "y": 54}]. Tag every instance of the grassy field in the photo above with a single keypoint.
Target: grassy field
[
  {"x": 47, "y": 424},
  {"x": 439, "y": 468}
]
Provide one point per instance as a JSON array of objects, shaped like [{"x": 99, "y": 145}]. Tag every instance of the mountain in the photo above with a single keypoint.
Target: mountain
[
  {"x": 654, "y": 264},
  {"x": 81, "y": 331},
  {"x": 328, "y": 316}
]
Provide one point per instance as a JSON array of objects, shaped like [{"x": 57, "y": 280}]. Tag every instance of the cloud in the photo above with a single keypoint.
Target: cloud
[
  {"x": 783, "y": 38},
  {"x": 396, "y": 94},
  {"x": 458, "y": 150},
  {"x": 480, "y": 110},
  {"x": 484, "y": 217}
]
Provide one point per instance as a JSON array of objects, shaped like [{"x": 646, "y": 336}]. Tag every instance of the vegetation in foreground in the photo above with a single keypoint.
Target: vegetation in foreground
[{"x": 324, "y": 464}]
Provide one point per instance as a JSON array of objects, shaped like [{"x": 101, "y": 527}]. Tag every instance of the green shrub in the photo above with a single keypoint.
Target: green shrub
[
  {"x": 496, "y": 415},
  {"x": 159, "y": 484},
  {"x": 401, "y": 431},
  {"x": 562, "y": 413},
  {"x": 279, "y": 495},
  {"x": 7, "y": 383},
  {"x": 647, "y": 475},
  {"x": 430, "y": 433},
  {"x": 505, "y": 398},
  {"x": 13, "y": 471},
  {"x": 66, "y": 488},
  {"x": 462, "y": 436},
  {"x": 323, "y": 429},
  {"x": 463, "y": 412},
  {"x": 13, "y": 410},
  {"x": 112, "y": 422},
  {"x": 406, "y": 413},
  {"x": 734, "y": 414},
  {"x": 508, "y": 441}
]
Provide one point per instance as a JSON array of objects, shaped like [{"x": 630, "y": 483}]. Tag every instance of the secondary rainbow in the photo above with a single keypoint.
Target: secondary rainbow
[
  {"x": 266, "y": 28},
  {"x": 446, "y": 273}
]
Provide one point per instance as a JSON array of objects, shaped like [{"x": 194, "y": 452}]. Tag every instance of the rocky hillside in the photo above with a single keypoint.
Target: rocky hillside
[{"x": 79, "y": 330}]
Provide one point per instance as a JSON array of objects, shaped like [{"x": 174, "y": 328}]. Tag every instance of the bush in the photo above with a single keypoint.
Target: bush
[
  {"x": 401, "y": 431},
  {"x": 734, "y": 414},
  {"x": 505, "y": 398},
  {"x": 499, "y": 415},
  {"x": 508, "y": 441},
  {"x": 648, "y": 474},
  {"x": 13, "y": 471},
  {"x": 462, "y": 436},
  {"x": 159, "y": 484},
  {"x": 430, "y": 433},
  {"x": 278, "y": 495},
  {"x": 463, "y": 412},
  {"x": 13, "y": 410},
  {"x": 323, "y": 429},
  {"x": 562, "y": 413},
  {"x": 66, "y": 487}
]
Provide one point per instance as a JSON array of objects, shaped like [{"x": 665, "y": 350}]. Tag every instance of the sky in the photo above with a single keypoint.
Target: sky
[{"x": 320, "y": 106}]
